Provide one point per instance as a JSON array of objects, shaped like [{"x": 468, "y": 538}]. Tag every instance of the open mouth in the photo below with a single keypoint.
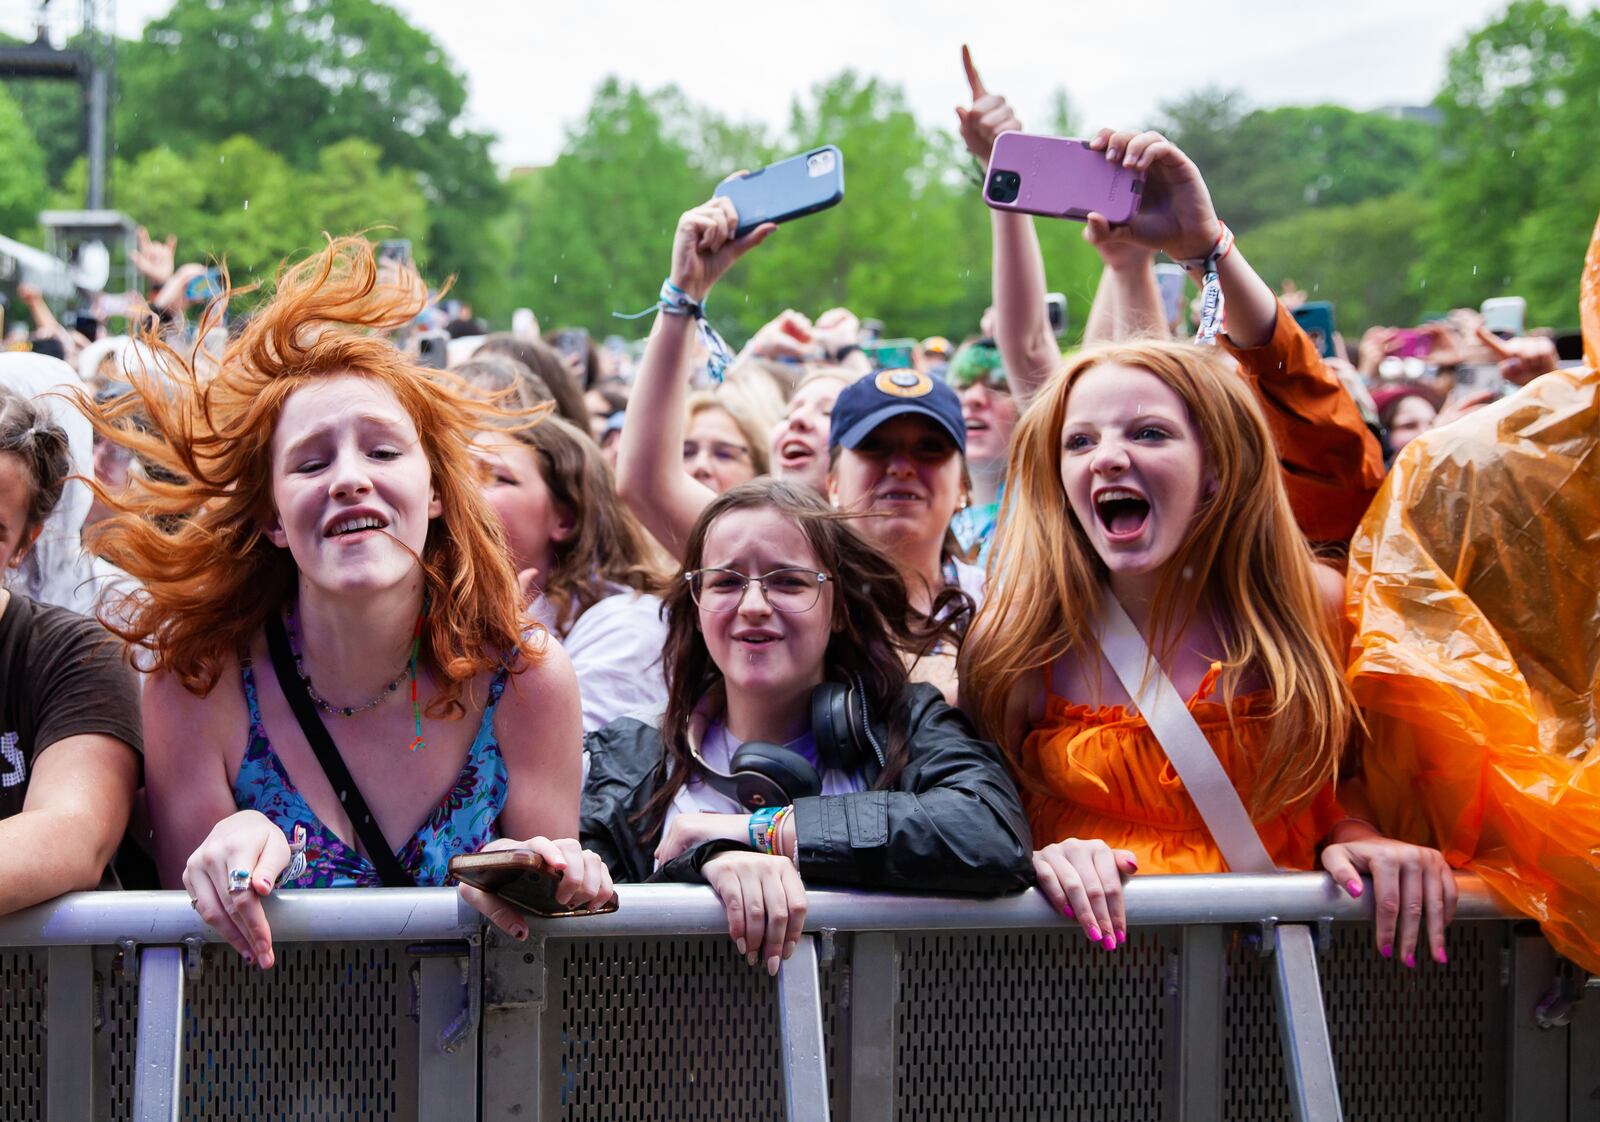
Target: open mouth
[
  {"x": 795, "y": 451},
  {"x": 1122, "y": 513},
  {"x": 975, "y": 425},
  {"x": 757, "y": 638},
  {"x": 898, "y": 497},
  {"x": 355, "y": 525}
]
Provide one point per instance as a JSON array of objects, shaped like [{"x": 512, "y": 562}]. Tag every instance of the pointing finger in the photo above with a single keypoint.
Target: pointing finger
[{"x": 972, "y": 73}]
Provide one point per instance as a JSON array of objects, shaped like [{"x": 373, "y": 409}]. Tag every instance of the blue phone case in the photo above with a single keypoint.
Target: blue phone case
[
  {"x": 1315, "y": 318},
  {"x": 791, "y": 188}
]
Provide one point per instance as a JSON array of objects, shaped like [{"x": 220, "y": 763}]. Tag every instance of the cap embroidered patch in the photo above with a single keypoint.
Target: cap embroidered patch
[{"x": 903, "y": 383}]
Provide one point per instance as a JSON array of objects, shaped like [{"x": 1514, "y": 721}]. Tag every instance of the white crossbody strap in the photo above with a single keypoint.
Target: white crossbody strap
[{"x": 1180, "y": 737}]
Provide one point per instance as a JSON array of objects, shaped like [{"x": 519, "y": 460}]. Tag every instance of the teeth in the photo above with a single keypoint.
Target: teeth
[
  {"x": 1115, "y": 494},
  {"x": 350, "y": 525},
  {"x": 794, "y": 450}
]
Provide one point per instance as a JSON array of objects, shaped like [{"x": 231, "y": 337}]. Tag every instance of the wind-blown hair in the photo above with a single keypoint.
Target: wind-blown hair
[
  {"x": 1244, "y": 560},
  {"x": 875, "y": 627},
  {"x": 607, "y": 545},
  {"x": 198, "y": 545}
]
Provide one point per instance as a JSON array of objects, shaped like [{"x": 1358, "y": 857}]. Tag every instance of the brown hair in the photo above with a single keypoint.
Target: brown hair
[
  {"x": 501, "y": 376},
  {"x": 876, "y": 627},
  {"x": 28, "y": 433},
  {"x": 607, "y": 545},
  {"x": 547, "y": 364},
  {"x": 1251, "y": 569},
  {"x": 211, "y": 580}
]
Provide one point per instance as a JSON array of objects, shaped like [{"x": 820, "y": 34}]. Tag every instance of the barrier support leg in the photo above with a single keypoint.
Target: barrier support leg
[
  {"x": 514, "y": 1063},
  {"x": 75, "y": 1084},
  {"x": 874, "y": 976},
  {"x": 1536, "y": 1067},
  {"x": 156, "y": 1096},
  {"x": 805, "y": 1063},
  {"x": 1197, "y": 992},
  {"x": 1303, "y": 1026},
  {"x": 447, "y": 1036}
]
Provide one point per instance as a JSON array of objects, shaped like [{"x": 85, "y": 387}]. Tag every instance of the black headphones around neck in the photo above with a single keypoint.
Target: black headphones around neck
[{"x": 762, "y": 774}]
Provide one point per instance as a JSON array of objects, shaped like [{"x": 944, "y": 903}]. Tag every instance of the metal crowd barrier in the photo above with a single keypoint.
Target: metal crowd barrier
[{"x": 396, "y": 1004}]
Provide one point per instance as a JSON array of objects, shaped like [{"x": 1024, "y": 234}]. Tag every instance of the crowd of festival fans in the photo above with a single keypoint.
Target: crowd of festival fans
[{"x": 806, "y": 620}]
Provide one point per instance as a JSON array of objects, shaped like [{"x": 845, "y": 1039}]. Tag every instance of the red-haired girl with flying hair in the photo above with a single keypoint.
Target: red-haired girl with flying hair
[
  {"x": 327, "y": 487},
  {"x": 1146, "y": 472}
]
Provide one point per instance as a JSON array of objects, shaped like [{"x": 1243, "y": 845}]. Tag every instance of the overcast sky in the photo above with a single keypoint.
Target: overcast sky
[{"x": 531, "y": 65}]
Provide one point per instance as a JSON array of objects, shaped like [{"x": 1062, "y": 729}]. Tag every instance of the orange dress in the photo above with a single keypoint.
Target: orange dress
[{"x": 1101, "y": 773}]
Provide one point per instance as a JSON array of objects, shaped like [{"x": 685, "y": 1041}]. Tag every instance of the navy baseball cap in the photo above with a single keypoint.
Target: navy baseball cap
[{"x": 867, "y": 403}]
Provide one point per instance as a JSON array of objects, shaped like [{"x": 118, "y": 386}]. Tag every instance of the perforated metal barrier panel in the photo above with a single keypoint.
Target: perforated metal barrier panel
[
  {"x": 326, "y": 1034},
  {"x": 23, "y": 976},
  {"x": 670, "y": 1029},
  {"x": 1006, "y": 1025},
  {"x": 1037, "y": 1025},
  {"x": 1423, "y": 1045}
]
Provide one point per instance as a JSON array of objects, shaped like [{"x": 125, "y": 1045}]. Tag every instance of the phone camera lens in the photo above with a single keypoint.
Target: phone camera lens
[{"x": 1005, "y": 186}]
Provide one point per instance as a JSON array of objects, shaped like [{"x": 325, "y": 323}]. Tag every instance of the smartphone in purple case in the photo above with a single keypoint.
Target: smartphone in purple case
[{"x": 1059, "y": 177}]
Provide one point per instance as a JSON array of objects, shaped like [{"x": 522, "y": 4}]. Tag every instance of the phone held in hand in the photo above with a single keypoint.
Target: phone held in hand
[
  {"x": 1059, "y": 177},
  {"x": 1504, "y": 315},
  {"x": 791, "y": 188},
  {"x": 1315, "y": 318},
  {"x": 891, "y": 354},
  {"x": 1170, "y": 281},
  {"x": 395, "y": 249},
  {"x": 207, "y": 286},
  {"x": 433, "y": 350},
  {"x": 521, "y": 879},
  {"x": 1055, "y": 307}
]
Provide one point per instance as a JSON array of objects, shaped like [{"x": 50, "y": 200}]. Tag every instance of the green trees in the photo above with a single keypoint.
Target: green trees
[
  {"x": 1516, "y": 186},
  {"x": 22, "y": 180},
  {"x": 298, "y": 76}
]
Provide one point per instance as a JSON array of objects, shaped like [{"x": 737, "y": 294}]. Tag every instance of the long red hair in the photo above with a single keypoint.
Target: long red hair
[{"x": 197, "y": 542}]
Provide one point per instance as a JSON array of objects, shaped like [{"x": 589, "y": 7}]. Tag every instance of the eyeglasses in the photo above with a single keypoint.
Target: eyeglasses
[
  {"x": 720, "y": 450},
  {"x": 786, "y": 590}
]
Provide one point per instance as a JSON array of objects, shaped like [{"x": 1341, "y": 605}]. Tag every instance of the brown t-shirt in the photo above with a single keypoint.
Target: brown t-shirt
[{"x": 61, "y": 675}]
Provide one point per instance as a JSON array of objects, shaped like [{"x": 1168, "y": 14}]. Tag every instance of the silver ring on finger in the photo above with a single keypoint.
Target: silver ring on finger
[{"x": 238, "y": 881}]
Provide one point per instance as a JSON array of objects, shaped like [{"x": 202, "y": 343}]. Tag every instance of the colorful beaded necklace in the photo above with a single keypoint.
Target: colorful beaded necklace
[{"x": 417, "y": 743}]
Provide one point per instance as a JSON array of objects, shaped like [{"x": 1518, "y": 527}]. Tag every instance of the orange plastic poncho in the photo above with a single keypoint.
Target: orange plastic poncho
[{"x": 1475, "y": 592}]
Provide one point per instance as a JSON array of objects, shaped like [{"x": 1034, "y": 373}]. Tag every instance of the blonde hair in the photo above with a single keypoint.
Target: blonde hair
[
  {"x": 731, "y": 402},
  {"x": 1257, "y": 580}
]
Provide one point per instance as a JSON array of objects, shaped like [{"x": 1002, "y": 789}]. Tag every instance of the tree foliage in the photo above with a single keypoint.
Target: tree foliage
[
  {"x": 297, "y": 76},
  {"x": 23, "y": 186},
  {"x": 1515, "y": 189}
]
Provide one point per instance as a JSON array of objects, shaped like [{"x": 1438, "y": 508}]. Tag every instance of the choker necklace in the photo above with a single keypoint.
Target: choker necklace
[{"x": 333, "y": 710}]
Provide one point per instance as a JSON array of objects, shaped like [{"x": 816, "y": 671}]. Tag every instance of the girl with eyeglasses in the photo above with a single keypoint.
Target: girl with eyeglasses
[{"x": 794, "y": 749}]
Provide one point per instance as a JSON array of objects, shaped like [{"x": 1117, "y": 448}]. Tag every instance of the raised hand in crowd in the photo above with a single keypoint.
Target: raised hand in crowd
[
  {"x": 651, "y": 477},
  {"x": 154, "y": 260},
  {"x": 1021, "y": 326},
  {"x": 1521, "y": 359},
  {"x": 173, "y": 297},
  {"x": 788, "y": 335}
]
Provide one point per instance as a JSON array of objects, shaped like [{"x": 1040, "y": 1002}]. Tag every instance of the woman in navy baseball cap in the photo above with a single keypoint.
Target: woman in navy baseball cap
[{"x": 897, "y": 456}]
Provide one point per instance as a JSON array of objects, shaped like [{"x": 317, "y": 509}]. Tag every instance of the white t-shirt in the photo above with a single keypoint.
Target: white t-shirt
[{"x": 615, "y": 648}]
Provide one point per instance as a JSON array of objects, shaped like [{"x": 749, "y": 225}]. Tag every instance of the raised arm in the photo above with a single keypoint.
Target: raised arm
[
  {"x": 650, "y": 475},
  {"x": 1127, "y": 301},
  {"x": 1331, "y": 462},
  {"x": 1022, "y": 322}
]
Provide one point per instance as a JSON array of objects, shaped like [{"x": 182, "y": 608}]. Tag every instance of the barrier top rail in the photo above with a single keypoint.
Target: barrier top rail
[{"x": 419, "y": 914}]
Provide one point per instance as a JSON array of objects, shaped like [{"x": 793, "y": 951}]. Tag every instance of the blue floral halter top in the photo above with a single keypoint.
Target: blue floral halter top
[{"x": 463, "y": 822}]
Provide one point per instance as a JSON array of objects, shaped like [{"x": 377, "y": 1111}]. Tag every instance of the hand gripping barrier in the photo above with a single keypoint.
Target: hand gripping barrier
[{"x": 396, "y": 1004}]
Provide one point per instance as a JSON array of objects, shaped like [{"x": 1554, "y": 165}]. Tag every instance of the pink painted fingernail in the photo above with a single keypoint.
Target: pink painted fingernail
[
  {"x": 1411, "y": 961},
  {"x": 1441, "y": 957},
  {"x": 1353, "y": 887},
  {"x": 1387, "y": 950},
  {"x": 1122, "y": 937},
  {"x": 1094, "y": 934},
  {"x": 1066, "y": 910},
  {"x": 1109, "y": 942},
  {"x": 249, "y": 960}
]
